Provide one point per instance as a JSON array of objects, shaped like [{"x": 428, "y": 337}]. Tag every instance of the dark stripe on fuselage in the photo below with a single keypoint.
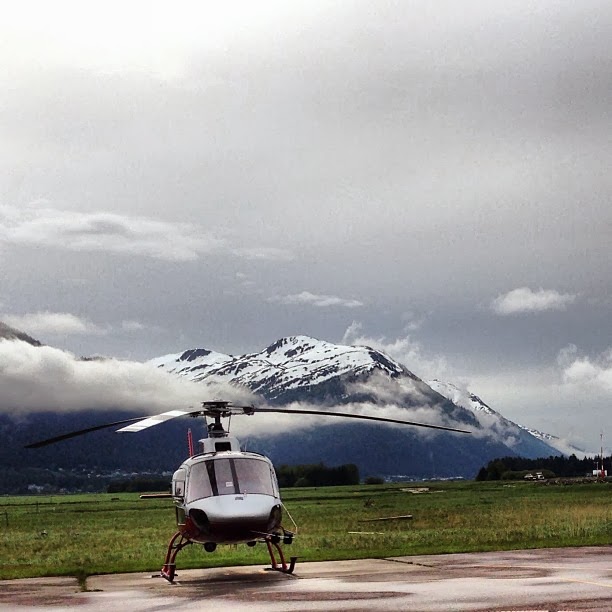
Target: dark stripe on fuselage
[
  {"x": 210, "y": 468},
  {"x": 234, "y": 476}
]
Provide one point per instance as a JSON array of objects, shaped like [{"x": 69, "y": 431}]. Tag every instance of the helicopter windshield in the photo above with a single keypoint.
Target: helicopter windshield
[{"x": 229, "y": 477}]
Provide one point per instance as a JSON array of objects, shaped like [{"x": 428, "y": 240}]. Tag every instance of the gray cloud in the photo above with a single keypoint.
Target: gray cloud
[
  {"x": 417, "y": 157},
  {"x": 523, "y": 300},
  {"x": 586, "y": 371},
  {"x": 320, "y": 301},
  {"x": 264, "y": 253},
  {"x": 406, "y": 350},
  {"x": 118, "y": 233},
  {"x": 262, "y": 425},
  {"x": 62, "y": 324},
  {"x": 391, "y": 392},
  {"x": 109, "y": 232},
  {"x": 54, "y": 323},
  {"x": 45, "y": 378},
  {"x": 133, "y": 326}
]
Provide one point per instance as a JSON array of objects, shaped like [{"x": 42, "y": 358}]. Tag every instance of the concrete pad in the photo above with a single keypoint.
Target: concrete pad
[
  {"x": 36, "y": 592},
  {"x": 569, "y": 579}
]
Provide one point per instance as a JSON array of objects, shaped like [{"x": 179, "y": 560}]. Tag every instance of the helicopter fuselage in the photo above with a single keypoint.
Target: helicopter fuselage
[{"x": 226, "y": 497}]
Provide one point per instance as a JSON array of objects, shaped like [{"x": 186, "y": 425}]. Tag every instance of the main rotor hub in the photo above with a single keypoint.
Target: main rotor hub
[{"x": 218, "y": 409}]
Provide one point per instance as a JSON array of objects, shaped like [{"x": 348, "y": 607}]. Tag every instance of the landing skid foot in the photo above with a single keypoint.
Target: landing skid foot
[
  {"x": 177, "y": 543},
  {"x": 281, "y": 564}
]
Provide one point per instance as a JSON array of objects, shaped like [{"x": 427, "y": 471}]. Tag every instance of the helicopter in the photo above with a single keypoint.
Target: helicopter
[{"x": 222, "y": 494}]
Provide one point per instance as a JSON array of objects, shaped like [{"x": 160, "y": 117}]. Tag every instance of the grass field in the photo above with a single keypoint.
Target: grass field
[{"x": 80, "y": 535}]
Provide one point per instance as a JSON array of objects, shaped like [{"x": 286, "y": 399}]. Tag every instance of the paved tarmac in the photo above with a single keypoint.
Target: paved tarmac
[{"x": 556, "y": 580}]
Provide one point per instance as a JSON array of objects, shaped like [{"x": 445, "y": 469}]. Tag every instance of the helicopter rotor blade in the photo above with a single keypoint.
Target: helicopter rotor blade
[
  {"x": 144, "y": 423},
  {"x": 360, "y": 416},
  {"x": 211, "y": 408},
  {"x": 225, "y": 409},
  {"x": 80, "y": 432}
]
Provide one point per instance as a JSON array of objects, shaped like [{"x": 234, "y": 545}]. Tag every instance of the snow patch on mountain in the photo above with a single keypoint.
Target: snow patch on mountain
[
  {"x": 467, "y": 399},
  {"x": 304, "y": 369},
  {"x": 559, "y": 444},
  {"x": 289, "y": 363},
  {"x": 461, "y": 397},
  {"x": 189, "y": 362}
]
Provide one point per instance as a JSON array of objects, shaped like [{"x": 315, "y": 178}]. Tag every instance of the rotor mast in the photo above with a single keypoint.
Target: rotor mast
[{"x": 218, "y": 439}]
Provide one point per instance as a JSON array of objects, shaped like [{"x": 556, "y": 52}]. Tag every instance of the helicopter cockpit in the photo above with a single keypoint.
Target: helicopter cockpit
[{"x": 230, "y": 476}]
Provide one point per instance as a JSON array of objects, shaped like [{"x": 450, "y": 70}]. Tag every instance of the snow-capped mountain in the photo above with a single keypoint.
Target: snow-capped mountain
[
  {"x": 523, "y": 440},
  {"x": 461, "y": 397},
  {"x": 287, "y": 365},
  {"x": 563, "y": 446},
  {"x": 304, "y": 369}
]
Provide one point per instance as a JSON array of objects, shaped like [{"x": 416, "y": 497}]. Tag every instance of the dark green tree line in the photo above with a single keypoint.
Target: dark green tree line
[
  {"x": 317, "y": 475},
  {"x": 570, "y": 466}
]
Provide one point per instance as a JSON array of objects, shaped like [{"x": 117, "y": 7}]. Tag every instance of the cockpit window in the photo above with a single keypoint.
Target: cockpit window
[
  {"x": 228, "y": 477},
  {"x": 254, "y": 476},
  {"x": 199, "y": 483}
]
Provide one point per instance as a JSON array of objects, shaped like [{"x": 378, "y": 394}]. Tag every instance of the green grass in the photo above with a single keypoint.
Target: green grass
[{"x": 80, "y": 535}]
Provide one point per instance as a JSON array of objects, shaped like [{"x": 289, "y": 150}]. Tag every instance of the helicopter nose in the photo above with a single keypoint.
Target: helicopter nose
[
  {"x": 231, "y": 508},
  {"x": 234, "y": 518}
]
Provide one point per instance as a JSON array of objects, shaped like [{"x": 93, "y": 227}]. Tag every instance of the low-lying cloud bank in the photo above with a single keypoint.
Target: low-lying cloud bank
[
  {"x": 35, "y": 379},
  {"x": 263, "y": 425},
  {"x": 46, "y": 322}
]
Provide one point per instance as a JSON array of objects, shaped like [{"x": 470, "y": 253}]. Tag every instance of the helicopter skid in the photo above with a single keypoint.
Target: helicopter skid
[
  {"x": 176, "y": 544},
  {"x": 281, "y": 564},
  {"x": 180, "y": 540}
]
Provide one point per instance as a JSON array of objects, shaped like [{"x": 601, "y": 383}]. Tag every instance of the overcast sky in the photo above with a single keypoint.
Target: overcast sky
[{"x": 432, "y": 178}]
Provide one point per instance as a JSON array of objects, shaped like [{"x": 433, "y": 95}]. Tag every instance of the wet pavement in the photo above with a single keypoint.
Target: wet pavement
[{"x": 556, "y": 580}]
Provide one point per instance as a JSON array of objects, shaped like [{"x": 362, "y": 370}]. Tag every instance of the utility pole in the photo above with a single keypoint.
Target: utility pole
[{"x": 601, "y": 469}]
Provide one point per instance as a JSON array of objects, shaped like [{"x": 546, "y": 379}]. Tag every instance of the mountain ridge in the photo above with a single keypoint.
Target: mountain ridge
[
  {"x": 467, "y": 399},
  {"x": 298, "y": 371},
  {"x": 288, "y": 363},
  {"x": 10, "y": 333},
  {"x": 301, "y": 368}
]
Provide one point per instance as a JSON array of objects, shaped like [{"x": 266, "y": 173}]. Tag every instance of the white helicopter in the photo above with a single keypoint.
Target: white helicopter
[{"x": 222, "y": 494}]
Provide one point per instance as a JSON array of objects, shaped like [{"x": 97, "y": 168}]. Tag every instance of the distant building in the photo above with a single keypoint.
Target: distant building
[{"x": 536, "y": 476}]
